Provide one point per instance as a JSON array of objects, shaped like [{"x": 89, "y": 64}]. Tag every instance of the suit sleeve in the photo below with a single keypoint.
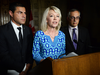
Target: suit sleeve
[
  {"x": 88, "y": 43},
  {"x": 29, "y": 58}
]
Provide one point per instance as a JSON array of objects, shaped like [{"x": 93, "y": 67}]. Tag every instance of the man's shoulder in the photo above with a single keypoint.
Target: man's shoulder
[
  {"x": 82, "y": 28},
  {"x": 26, "y": 27},
  {"x": 5, "y": 26},
  {"x": 64, "y": 27}
]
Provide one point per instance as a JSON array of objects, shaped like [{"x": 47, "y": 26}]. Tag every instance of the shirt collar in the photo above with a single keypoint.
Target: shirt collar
[
  {"x": 14, "y": 25},
  {"x": 70, "y": 27}
]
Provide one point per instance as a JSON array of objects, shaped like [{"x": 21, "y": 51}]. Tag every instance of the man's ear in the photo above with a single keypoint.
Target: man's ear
[{"x": 10, "y": 13}]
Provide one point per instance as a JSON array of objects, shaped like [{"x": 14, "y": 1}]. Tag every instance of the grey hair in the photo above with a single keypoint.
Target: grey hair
[{"x": 72, "y": 10}]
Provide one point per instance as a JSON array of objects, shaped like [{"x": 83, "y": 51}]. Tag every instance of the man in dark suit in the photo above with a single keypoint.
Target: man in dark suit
[
  {"x": 16, "y": 54},
  {"x": 77, "y": 37}
]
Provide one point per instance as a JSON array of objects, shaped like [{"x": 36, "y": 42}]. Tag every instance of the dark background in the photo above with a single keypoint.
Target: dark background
[{"x": 90, "y": 14}]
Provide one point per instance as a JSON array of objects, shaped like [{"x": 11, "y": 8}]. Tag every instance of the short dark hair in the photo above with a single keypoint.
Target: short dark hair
[{"x": 13, "y": 6}]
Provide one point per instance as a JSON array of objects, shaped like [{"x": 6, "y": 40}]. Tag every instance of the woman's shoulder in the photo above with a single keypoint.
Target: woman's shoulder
[
  {"x": 39, "y": 33},
  {"x": 61, "y": 33}
]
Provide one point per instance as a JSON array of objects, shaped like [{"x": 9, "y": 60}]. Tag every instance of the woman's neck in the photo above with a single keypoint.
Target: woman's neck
[{"x": 51, "y": 32}]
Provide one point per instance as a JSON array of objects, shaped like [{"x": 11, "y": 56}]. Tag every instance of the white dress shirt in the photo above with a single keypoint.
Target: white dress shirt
[
  {"x": 16, "y": 30},
  {"x": 71, "y": 32}
]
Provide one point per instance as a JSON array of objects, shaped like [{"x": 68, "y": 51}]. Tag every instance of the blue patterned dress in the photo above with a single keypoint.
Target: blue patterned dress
[{"x": 43, "y": 46}]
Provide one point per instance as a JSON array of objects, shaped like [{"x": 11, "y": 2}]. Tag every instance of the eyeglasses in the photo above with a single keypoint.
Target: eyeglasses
[{"x": 73, "y": 18}]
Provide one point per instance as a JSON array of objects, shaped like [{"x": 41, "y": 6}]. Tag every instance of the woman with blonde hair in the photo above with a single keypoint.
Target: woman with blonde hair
[{"x": 49, "y": 41}]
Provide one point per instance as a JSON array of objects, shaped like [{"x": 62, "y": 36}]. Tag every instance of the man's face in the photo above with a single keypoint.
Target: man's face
[
  {"x": 19, "y": 15},
  {"x": 74, "y": 18}
]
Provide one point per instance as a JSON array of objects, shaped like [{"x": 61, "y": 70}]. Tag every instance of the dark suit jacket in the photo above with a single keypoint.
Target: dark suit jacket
[
  {"x": 12, "y": 55},
  {"x": 83, "y": 42}
]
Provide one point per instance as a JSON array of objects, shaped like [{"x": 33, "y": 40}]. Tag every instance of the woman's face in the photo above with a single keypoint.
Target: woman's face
[{"x": 53, "y": 19}]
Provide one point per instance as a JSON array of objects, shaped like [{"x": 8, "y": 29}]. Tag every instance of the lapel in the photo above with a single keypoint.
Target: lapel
[
  {"x": 12, "y": 33},
  {"x": 69, "y": 38},
  {"x": 79, "y": 37},
  {"x": 13, "y": 36},
  {"x": 24, "y": 39}
]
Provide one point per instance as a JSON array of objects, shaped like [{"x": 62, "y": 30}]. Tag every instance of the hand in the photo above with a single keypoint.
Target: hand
[
  {"x": 41, "y": 60},
  {"x": 26, "y": 70},
  {"x": 23, "y": 73}
]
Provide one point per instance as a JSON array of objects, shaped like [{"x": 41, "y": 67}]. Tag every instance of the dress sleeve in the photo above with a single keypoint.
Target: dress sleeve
[
  {"x": 64, "y": 46},
  {"x": 36, "y": 48}
]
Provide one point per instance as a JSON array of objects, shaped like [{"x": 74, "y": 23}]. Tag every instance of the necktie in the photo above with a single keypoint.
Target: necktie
[
  {"x": 74, "y": 39},
  {"x": 20, "y": 36}
]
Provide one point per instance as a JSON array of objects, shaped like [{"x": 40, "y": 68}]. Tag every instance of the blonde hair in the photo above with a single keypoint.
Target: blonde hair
[{"x": 43, "y": 26}]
